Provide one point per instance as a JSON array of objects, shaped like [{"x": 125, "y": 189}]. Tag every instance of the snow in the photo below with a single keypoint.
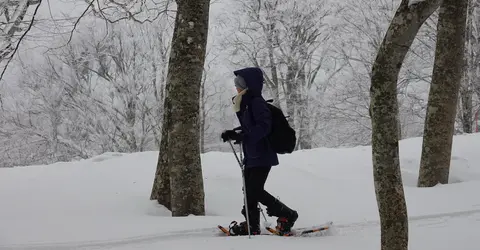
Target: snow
[{"x": 103, "y": 202}]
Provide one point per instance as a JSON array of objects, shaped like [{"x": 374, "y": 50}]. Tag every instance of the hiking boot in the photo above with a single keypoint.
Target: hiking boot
[
  {"x": 254, "y": 216},
  {"x": 285, "y": 224},
  {"x": 242, "y": 229},
  {"x": 286, "y": 216}
]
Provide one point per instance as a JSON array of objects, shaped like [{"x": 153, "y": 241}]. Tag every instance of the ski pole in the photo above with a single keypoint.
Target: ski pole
[
  {"x": 264, "y": 217},
  {"x": 236, "y": 156},
  {"x": 241, "y": 152},
  {"x": 244, "y": 186}
]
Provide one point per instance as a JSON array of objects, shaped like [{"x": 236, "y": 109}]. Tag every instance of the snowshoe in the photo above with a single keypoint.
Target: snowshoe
[{"x": 299, "y": 232}]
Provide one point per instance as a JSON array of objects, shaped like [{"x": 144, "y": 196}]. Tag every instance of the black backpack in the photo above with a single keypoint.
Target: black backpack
[{"x": 282, "y": 137}]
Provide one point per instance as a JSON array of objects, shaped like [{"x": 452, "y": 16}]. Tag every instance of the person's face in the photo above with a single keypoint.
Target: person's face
[{"x": 239, "y": 90}]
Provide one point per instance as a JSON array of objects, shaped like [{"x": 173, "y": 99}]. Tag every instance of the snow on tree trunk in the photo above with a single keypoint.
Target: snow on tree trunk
[
  {"x": 443, "y": 96},
  {"x": 181, "y": 153},
  {"x": 384, "y": 111}
]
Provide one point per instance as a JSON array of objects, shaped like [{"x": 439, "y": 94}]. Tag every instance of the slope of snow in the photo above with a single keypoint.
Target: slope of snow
[{"x": 103, "y": 202}]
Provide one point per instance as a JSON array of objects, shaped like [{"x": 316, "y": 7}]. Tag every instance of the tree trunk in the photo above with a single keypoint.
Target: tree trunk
[
  {"x": 273, "y": 65},
  {"x": 474, "y": 64},
  {"x": 466, "y": 97},
  {"x": 182, "y": 151},
  {"x": 203, "y": 116},
  {"x": 290, "y": 83},
  {"x": 466, "y": 93},
  {"x": 161, "y": 190},
  {"x": 443, "y": 96},
  {"x": 304, "y": 135},
  {"x": 384, "y": 111}
]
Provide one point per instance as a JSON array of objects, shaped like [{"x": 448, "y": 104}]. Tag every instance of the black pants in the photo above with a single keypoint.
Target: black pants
[{"x": 255, "y": 179}]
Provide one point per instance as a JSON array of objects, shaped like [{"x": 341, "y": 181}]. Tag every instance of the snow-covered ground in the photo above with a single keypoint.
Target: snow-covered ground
[{"x": 102, "y": 203}]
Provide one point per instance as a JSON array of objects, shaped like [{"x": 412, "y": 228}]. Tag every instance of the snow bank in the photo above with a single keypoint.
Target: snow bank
[{"x": 107, "y": 197}]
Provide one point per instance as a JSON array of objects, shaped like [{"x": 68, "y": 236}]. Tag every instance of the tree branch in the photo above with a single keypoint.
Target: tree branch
[{"x": 21, "y": 38}]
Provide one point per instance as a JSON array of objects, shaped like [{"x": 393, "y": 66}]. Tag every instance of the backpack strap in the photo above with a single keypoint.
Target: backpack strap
[{"x": 271, "y": 101}]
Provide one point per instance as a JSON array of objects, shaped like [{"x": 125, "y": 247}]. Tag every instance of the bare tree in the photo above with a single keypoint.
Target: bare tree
[
  {"x": 101, "y": 92},
  {"x": 384, "y": 112},
  {"x": 357, "y": 42},
  {"x": 210, "y": 107},
  {"x": 255, "y": 39},
  {"x": 290, "y": 40},
  {"x": 443, "y": 96},
  {"x": 140, "y": 11},
  {"x": 180, "y": 151},
  {"x": 13, "y": 27}
]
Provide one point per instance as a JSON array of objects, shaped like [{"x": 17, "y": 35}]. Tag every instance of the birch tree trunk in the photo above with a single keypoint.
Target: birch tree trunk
[
  {"x": 180, "y": 155},
  {"x": 384, "y": 111},
  {"x": 443, "y": 95}
]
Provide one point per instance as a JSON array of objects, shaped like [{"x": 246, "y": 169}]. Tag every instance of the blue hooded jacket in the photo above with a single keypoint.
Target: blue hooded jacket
[{"x": 256, "y": 120}]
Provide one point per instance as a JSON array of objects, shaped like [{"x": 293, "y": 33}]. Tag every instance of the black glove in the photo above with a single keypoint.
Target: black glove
[{"x": 231, "y": 135}]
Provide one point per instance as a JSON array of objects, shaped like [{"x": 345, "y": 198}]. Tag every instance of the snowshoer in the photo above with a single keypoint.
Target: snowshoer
[{"x": 256, "y": 120}]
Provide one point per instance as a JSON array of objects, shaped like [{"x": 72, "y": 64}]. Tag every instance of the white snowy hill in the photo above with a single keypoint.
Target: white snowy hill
[{"x": 102, "y": 203}]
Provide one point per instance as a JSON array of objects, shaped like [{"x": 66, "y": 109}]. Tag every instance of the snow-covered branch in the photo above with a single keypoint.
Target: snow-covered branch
[
  {"x": 141, "y": 11},
  {"x": 13, "y": 28}
]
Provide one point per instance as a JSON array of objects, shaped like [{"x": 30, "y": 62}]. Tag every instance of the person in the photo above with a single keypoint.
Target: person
[{"x": 255, "y": 122}]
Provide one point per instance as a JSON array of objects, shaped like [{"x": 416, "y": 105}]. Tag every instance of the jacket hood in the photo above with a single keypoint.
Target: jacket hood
[{"x": 253, "y": 77}]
